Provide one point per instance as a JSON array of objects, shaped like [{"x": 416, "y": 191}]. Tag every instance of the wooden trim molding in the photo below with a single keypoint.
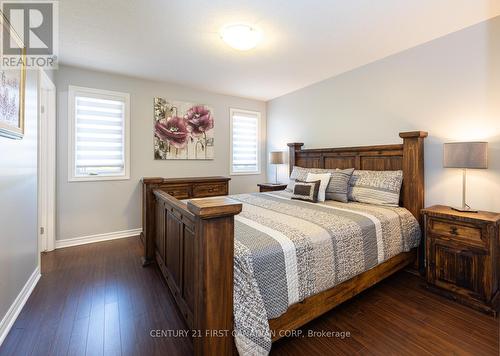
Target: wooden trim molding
[
  {"x": 83, "y": 240},
  {"x": 18, "y": 304}
]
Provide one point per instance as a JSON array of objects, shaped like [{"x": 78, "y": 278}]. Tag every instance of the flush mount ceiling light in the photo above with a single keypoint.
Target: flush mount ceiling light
[{"x": 241, "y": 37}]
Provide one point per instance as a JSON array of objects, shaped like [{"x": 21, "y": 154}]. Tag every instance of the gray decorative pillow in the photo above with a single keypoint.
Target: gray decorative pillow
[
  {"x": 307, "y": 191},
  {"x": 338, "y": 187},
  {"x": 298, "y": 173},
  {"x": 376, "y": 187}
]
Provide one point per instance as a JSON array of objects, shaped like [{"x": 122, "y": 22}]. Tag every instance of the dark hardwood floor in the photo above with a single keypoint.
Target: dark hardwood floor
[{"x": 97, "y": 300}]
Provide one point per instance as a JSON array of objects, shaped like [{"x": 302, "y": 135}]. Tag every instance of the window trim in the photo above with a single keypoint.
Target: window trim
[
  {"x": 232, "y": 111},
  {"x": 73, "y": 91}
]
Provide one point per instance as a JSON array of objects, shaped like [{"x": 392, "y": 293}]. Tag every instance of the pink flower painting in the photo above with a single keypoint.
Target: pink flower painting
[
  {"x": 199, "y": 120},
  {"x": 183, "y": 130},
  {"x": 174, "y": 131}
]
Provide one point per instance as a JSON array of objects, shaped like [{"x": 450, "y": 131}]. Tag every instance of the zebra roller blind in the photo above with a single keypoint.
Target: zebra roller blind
[
  {"x": 245, "y": 126},
  {"x": 99, "y": 134}
]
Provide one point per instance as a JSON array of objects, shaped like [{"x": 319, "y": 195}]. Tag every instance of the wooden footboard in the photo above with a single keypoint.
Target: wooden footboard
[{"x": 194, "y": 247}]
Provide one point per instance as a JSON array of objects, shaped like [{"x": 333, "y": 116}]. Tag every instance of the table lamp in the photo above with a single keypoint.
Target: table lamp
[
  {"x": 276, "y": 158},
  {"x": 465, "y": 155}
]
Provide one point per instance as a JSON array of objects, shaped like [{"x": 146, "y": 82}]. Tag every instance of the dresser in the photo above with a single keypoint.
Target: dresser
[
  {"x": 180, "y": 188},
  {"x": 462, "y": 256}
]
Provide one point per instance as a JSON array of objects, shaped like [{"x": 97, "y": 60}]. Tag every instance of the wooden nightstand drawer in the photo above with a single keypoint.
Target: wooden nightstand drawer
[
  {"x": 208, "y": 190},
  {"x": 178, "y": 191},
  {"x": 467, "y": 233}
]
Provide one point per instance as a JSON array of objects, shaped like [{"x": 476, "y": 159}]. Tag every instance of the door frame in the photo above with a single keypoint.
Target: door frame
[{"x": 46, "y": 162}]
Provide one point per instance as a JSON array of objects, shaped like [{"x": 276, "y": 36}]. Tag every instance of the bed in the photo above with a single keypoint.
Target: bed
[{"x": 248, "y": 268}]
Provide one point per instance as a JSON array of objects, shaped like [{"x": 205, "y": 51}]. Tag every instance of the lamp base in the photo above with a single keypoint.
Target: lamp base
[{"x": 464, "y": 210}]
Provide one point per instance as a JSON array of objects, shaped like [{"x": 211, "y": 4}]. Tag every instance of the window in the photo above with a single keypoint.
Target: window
[
  {"x": 245, "y": 140},
  {"x": 99, "y": 122}
]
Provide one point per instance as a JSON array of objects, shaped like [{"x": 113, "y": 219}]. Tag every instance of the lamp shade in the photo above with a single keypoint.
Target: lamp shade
[
  {"x": 466, "y": 155},
  {"x": 276, "y": 157}
]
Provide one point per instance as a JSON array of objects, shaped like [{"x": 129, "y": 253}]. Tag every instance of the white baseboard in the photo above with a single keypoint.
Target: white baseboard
[
  {"x": 97, "y": 238},
  {"x": 16, "y": 307}
]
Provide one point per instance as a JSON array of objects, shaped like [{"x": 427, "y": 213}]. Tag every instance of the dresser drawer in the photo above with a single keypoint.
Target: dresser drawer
[
  {"x": 209, "y": 189},
  {"x": 178, "y": 191},
  {"x": 463, "y": 232}
]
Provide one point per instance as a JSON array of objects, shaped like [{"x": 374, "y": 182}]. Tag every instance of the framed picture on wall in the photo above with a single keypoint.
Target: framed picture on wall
[
  {"x": 12, "y": 91},
  {"x": 183, "y": 130}
]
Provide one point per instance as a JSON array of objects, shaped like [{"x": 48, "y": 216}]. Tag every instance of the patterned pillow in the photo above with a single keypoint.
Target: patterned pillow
[
  {"x": 338, "y": 187},
  {"x": 324, "y": 178},
  {"x": 376, "y": 187},
  {"x": 307, "y": 191},
  {"x": 300, "y": 173}
]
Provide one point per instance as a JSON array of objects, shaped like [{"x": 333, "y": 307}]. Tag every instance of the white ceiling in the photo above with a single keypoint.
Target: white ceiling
[{"x": 305, "y": 41}]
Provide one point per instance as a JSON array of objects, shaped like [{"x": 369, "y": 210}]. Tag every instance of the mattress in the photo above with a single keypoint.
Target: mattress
[{"x": 287, "y": 250}]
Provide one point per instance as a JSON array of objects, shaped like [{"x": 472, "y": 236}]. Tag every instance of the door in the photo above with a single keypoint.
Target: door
[{"x": 46, "y": 162}]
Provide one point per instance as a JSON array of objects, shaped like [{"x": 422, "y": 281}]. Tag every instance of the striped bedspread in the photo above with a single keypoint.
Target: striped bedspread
[{"x": 287, "y": 250}]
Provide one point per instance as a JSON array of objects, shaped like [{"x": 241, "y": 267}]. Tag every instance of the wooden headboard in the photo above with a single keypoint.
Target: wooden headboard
[{"x": 408, "y": 157}]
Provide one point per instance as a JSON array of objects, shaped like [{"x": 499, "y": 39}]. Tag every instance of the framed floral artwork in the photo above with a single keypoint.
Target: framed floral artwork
[
  {"x": 12, "y": 91},
  {"x": 183, "y": 130}
]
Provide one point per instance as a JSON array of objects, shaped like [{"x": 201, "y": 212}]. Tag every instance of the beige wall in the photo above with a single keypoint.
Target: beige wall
[
  {"x": 87, "y": 208},
  {"x": 449, "y": 87},
  {"x": 18, "y": 203}
]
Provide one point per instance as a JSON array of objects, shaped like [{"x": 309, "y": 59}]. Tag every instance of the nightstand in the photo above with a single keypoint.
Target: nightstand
[
  {"x": 462, "y": 256},
  {"x": 271, "y": 187}
]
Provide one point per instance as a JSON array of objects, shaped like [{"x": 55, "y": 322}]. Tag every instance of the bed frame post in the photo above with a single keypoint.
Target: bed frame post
[
  {"x": 413, "y": 172},
  {"x": 414, "y": 181},
  {"x": 214, "y": 251},
  {"x": 292, "y": 148}
]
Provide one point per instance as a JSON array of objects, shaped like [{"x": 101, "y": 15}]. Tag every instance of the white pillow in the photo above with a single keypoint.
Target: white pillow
[{"x": 324, "y": 178}]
